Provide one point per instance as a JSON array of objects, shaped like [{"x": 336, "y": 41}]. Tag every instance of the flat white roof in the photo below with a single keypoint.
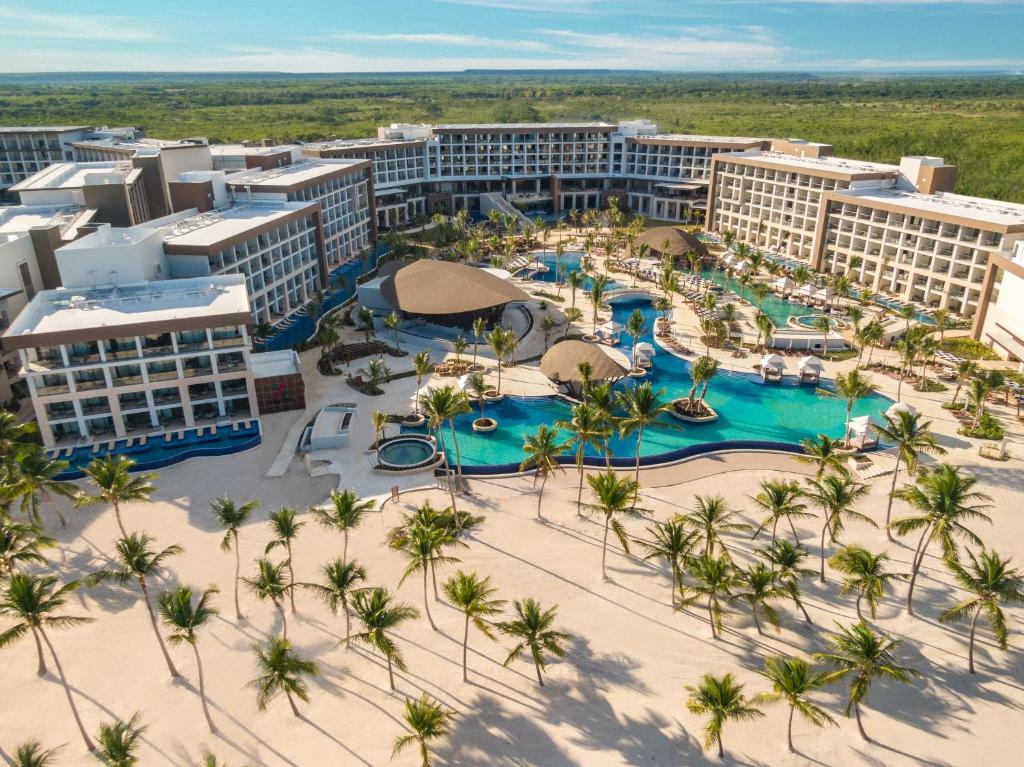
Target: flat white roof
[
  {"x": 71, "y": 309},
  {"x": 223, "y": 223},
  {"x": 706, "y": 139},
  {"x": 279, "y": 363},
  {"x": 515, "y": 127},
  {"x": 144, "y": 145},
  {"x": 833, "y": 164},
  {"x": 18, "y": 219},
  {"x": 368, "y": 141},
  {"x": 301, "y": 172},
  {"x": 947, "y": 204},
  {"x": 75, "y": 175},
  {"x": 245, "y": 149},
  {"x": 42, "y": 128}
]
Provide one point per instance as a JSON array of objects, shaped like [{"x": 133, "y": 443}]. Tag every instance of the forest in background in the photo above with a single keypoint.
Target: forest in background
[{"x": 975, "y": 122}]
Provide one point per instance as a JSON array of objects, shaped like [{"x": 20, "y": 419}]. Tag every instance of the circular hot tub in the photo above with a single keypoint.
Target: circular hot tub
[
  {"x": 408, "y": 453},
  {"x": 806, "y": 322}
]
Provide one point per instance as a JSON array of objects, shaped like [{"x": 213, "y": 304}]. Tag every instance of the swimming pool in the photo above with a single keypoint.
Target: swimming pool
[
  {"x": 406, "y": 452},
  {"x": 778, "y": 309},
  {"x": 570, "y": 260},
  {"x": 749, "y": 411},
  {"x": 807, "y": 321}
]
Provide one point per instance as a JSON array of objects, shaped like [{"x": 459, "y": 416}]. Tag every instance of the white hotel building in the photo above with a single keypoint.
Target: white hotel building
[{"x": 115, "y": 361}]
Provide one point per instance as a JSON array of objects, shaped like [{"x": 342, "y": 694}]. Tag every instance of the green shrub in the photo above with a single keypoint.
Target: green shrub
[
  {"x": 989, "y": 427},
  {"x": 968, "y": 349}
]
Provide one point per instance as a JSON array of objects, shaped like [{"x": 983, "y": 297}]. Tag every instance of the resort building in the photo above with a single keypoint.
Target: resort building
[
  {"x": 343, "y": 188},
  {"x": 114, "y": 189},
  {"x": 234, "y": 157},
  {"x": 25, "y": 151},
  {"x": 999, "y": 321},
  {"x": 107, "y": 362}
]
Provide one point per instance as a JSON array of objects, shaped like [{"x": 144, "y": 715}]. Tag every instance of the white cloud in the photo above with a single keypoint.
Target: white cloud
[
  {"x": 533, "y": 6},
  {"x": 19, "y": 23},
  {"x": 443, "y": 38}
]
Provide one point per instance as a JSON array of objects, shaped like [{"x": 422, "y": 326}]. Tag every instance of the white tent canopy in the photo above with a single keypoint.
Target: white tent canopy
[
  {"x": 773, "y": 362},
  {"x": 741, "y": 266},
  {"x": 783, "y": 283},
  {"x": 861, "y": 425},
  {"x": 806, "y": 290},
  {"x": 810, "y": 362},
  {"x": 895, "y": 409},
  {"x": 823, "y": 294},
  {"x": 645, "y": 348}
]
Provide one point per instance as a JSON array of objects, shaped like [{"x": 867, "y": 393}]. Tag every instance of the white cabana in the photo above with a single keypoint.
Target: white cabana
[
  {"x": 823, "y": 294},
  {"x": 772, "y": 367},
  {"x": 806, "y": 291},
  {"x": 642, "y": 354},
  {"x": 863, "y": 432},
  {"x": 900, "y": 407},
  {"x": 730, "y": 259},
  {"x": 741, "y": 267},
  {"x": 810, "y": 369},
  {"x": 610, "y": 331},
  {"x": 783, "y": 284}
]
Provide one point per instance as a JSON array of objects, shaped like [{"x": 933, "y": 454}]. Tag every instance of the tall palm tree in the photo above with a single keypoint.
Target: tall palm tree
[
  {"x": 284, "y": 527},
  {"x": 990, "y": 581},
  {"x": 852, "y": 386},
  {"x": 137, "y": 561},
  {"x": 793, "y": 681},
  {"x": 780, "y": 499},
  {"x": 944, "y": 499},
  {"x": 712, "y": 579},
  {"x": 589, "y": 428},
  {"x": 393, "y": 322},
  {"x": 863, "y": 656},
  {"x": 428, "y": 720},
  {"x": 115, "y": 485},
  {"x": 596, "y": 294},
  {"x": 479, "y": 329},
  {"x": 272, "y": 583},
  {"x": 231, "y": 516},
  {"x": 721, "y": 699},
  {"x": 499, "y": 340},
  {"x": 786, "y": 560},
  {"x": 642, "y": 405},
  {"x": 424, "y": 550},
  {"x": 636, "y": 326},
  {"x": 119, "y": 741},
  {"x": 758, "y": 586},
  {"x": 910, "y": 436},
  {"x": 701, "y": 371},
  {"x": 542, "y": 450},
  {"x": 378, "y": 615},
  {"x": 712, "y": 517},
  {"x": 36, "y": 479},
  {"x": 280, "y": 669},
  {"x": 441, "y": 406},
  {"x": 34, "y": 601},
  {"x": 340, "y": 582},
  {"x": 614, "y": 498},
  {"x": 837, "y": 496},
  {"x": 345, "y": 512},
  {"x": 823, "y": 453},
  {"x": 181, "y": 618},
  {"x": 32, "y": 754},
  {"x": 865, "y": 575},
  {"x": 474, "y": 596},
  {"x": 21, "y": 544},
  {"x": 421, "y": 367},
  {"x": 607, "y": 401},
  {"x": 965, "y": 371},
  {"x": 671, "y": 541},
  {"x": 574, "y": 280},
  {"x": 532, "y": 626}
]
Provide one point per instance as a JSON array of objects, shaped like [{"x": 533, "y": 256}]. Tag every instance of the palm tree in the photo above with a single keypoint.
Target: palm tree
[
  {"x": 712, "y": 579},
  {"x": 339, "y": 584},
  {"x": 673, "y": 542},
  {"x": 722, "y": 700},
  {"x": 574, "y": 280},
  {"x": 499, "y": 340},
  {"x": 542, "y": 450},
  {"x": 345, "y": 512},
  {"x": 21, "y": 544},
  {"x": 365, "y": 316},
  {"x": 863, "y": 656},
  {"x": 284, "y": 527},
  {"x": 421, "y": 366},
  {"x": 598, "y": 288},
  {"x": 711, "y": 517},
  {"x": 852, "y": 386},
  {"x": 910, "y": 437},
  {"x": 701, "y": 371},
  {"x": 428, "y": 721},
  {"x": 615, "y": 498},
  {"x": 945, "y": 499},
  {"x": 424, "y": 550},
  {"x": 474, "y": 596},
  {"x": 36, "y": 479},
  {"x": 119, "y": 741},
  {"x": 272, "y": 582},
  {"x": 965, "y": 371},
  {"x": 443, "y": 405},
  {"x": 865, "y": 575},
  {"x": 115, "y": 485},
  {"x": 643, "y": 405},
  {"x": 990, "y": 581},
  {"x": 780, "y": 500},
  {"x": 374, "y": 374},
  {"x": 823, "y": 452},
  {"x": 374, "y": 609},
  {"x": 181, "y": 618},
  {"x": 589, "y": 428},
  {"x": 231, "y": 516},
  {"x": 636, "y": 326},
  {"x": 793, "y": 681},
  {"x": 33, "y": 601},
  {"x": 759, "y": 587},
  {"x": 393, "y": 322},
  {"x": 532, "y": 627},
  {"x": 786, "y": 559},
  {"x": 836, "y": 495},
  {"x": 280, "y": 669},
  {"x": 137, "y": 561},
  {"x": 32, "y": 754}
]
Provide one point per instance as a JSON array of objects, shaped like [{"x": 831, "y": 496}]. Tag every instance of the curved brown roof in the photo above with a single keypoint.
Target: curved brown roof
[
  {"x": 561, "y": 361},
  {"x": 679, "y": 241},
  {"x": 443, "y": 287}
]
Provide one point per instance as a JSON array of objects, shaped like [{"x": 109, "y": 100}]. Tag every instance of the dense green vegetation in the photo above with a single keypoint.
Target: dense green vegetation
[{"x": 975, "y": 122}]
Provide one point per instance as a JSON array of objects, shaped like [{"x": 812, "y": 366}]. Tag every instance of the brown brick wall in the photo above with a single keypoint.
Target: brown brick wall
[{"x": 276, "y": 394}]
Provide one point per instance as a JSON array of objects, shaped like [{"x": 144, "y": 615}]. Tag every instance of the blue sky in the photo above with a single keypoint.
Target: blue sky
[{"x": 431, "y": 35}]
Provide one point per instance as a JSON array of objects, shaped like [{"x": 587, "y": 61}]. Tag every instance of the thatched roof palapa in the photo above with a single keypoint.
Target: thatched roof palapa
[
  {"x": 442, "y": 288},
  {"x": 679, "y": 242},
  {"x": 561, "y": 362}
]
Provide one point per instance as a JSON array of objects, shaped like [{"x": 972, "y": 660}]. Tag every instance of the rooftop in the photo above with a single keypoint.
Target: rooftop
[
  {"x": 825, "y": 164},
  {"x": 948, "y": 204},
  {"x": 518, "y": 127},
  {"x": 299, "y": 173},
  {"x": 368, "y": 141},
  {"x": 75, "y": 175},
  {"x": 41, "y": 128},
  {"x": 18, "y": 219},
  {"x": 705, "y": 139},
  {"x": 75, "y": 309},
  {"x": 248, "y": 149},
  {"x": 224, "y": 223},
  {"x": 140, "y": 145}
]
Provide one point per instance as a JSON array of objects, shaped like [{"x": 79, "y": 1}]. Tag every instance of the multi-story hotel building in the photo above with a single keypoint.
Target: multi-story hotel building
[
  {"x": 999, "y": 321},
  {"x": 114, "y": 189},
  {"x": 118, "y": 360}
]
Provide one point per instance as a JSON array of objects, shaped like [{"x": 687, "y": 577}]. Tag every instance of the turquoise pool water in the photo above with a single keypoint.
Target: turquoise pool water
[
  {"x": 778, "y": 309},
  {"x": 569, "y": 261},
  {"x": 807, "y": 321},
  {"x": 406, "y": 452},
  {"x": 748, "y": 410}
]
